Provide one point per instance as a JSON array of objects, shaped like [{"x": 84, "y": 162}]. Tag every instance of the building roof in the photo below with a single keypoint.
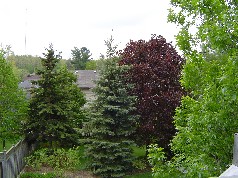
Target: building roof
[
  {"x": 26, "y": 83},
  {"x": 85, "y": 79}
]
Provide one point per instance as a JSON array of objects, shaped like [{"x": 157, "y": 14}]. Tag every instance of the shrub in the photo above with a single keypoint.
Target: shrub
[{"x": 59, "y": 159}]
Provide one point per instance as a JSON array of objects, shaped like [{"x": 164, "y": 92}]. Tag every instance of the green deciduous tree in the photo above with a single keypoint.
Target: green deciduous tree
[
  {"x": 26, "y": 62},
  {"x": 69, "y": 65},
  {"x": 207, "y": 118},
  {"x": 209, "y": 114},
  {"x": 7, "y": 50},
  {"x": 80, "y": 57},
  {"x": 55, "y": 108},
  {"x": 19, "y": 73},
  {"x": 216, "y": 23},
  {"x": 13, "y": 104},
  {"x": 91, "y": 65},
  {"x": 111, "y": 123}
]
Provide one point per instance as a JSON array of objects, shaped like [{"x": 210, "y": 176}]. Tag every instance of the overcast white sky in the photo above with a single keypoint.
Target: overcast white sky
[{"x": 69, "y": 23}]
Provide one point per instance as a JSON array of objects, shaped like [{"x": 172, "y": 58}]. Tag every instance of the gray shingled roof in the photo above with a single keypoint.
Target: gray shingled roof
[
  {"x": 26, "y": 83},
  {"x": 85, "y": 79}
]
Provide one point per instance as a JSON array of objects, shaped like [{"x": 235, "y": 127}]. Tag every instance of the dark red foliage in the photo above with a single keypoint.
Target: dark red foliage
[{"x": 156, "y": 73}]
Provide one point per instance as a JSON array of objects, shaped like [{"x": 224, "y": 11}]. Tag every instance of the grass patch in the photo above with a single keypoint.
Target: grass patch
[
  {"x": 140, "y": 163},
  {"x": 139, "y": 151},
  {"x": 8, "y": 145},
  {"x": 141, "y": 175},
  {"x": 82, "y": 159}
]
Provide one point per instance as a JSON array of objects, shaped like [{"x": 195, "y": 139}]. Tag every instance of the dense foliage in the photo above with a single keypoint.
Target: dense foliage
[
  {"x": 207, "y": 118},
  {"x": 155, "y": 72},
  {"x": 91, "y": 65},
  {"x": 80, "y": 57},
  {"x": 13, "y": 104},
  {"x": 55, "y": 107},
  {"x": 61, "y": 159},
  {"x": 111, "y": 123},
  {"x": 216, "y": 24},
  {"x": 26, "y": 63}
]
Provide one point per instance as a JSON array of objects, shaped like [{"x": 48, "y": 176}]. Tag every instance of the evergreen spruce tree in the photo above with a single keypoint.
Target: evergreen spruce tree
[
  {"x": 55, "y": 112},
  {"x": 111, "y": 123}
]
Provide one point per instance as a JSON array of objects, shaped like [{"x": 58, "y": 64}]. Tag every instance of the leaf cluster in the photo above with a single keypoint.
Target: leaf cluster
[{"x": 215, "y": 22}]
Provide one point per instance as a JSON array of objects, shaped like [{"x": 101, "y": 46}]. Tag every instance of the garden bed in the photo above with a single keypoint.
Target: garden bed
[{"x": 47, "y": 172}]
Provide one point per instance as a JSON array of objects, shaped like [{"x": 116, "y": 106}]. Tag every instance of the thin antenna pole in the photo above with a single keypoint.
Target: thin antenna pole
[{"x": 25, "y": 30}]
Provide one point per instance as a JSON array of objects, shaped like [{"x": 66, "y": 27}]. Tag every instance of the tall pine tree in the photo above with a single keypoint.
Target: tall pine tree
[
  {"x": 111, "y": 123},
  {"x": 55, "y": 112}
]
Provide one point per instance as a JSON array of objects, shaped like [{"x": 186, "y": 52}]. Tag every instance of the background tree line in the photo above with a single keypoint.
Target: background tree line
[{"x": 24, "y": 65}]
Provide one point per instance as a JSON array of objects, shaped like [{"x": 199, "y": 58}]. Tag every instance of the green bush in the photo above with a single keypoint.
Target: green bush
[
  {"x": 161, "y": 168},
  {"x": 64, "y": 159},
  {"x": 59, "y": 159},
  {"x": 139, "y": 164}
]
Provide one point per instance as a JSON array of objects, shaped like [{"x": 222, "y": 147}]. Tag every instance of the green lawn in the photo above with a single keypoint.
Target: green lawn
[
  {"x": 139, "y": 151},
  {"x": 140, "y": 175},
  {"x": 8, "y": 145},
  {"x": 140, "y": 154}
]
